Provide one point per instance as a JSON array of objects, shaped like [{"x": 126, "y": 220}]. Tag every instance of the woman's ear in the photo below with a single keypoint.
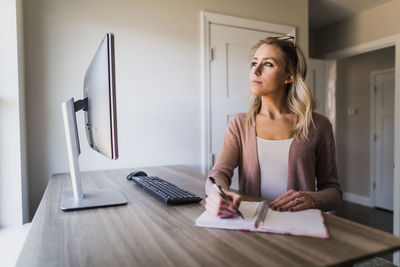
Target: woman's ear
[{"x": 289, "y": 79}]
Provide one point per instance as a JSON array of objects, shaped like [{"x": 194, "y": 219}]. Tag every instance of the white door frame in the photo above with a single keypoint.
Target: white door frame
[
  {"x": 393, "y": 40},
  {"x": 373, "y": 74},
  {"x": 206, "y": 19}
]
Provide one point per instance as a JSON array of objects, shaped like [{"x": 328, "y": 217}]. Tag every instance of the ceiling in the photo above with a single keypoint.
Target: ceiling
[{"x": 323, "y": 13}]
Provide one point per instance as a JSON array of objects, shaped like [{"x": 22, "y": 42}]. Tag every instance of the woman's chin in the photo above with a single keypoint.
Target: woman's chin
[{"x": 257, "y": 92}]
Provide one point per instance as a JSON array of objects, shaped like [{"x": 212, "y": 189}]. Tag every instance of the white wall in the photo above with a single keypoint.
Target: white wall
[
  {"x": 13, "y": 201},
  {"x": 157, "y": 68}
]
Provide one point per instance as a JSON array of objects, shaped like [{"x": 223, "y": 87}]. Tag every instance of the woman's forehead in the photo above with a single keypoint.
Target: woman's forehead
[{"x": 267, "y": 51}]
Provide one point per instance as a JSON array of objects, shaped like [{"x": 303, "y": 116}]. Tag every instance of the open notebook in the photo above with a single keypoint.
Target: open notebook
[{"x": 259, "y": 217}]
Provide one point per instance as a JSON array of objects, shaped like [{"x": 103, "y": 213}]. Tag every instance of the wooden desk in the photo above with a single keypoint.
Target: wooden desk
[{"x": 145, "y": 232}]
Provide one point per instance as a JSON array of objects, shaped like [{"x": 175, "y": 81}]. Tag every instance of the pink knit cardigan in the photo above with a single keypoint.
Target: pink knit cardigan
[{"x": 311, "y": 168}]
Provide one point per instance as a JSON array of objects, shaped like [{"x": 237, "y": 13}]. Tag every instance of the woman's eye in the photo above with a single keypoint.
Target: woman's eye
[
  {"x": 268, "y": 64},
  {"x": 253, "y": 64}
]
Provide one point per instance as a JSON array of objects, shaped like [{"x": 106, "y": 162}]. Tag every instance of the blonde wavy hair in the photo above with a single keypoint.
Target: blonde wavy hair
[{"x": 299, "y": 97}]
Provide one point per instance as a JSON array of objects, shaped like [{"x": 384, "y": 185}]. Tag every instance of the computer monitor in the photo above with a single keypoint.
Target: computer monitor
[
  {"x": 99, "y": 105},
  {"x": 99, "y": 89}
]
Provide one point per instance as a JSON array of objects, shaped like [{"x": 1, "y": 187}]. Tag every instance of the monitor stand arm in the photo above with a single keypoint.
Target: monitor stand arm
[
  {"x": 76, "y": 199},
  {"x": 73, "y": 148}
]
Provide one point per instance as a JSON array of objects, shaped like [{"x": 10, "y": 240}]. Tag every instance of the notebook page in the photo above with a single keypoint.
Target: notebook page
[
  {"x": 248, "y": 210},
  {"x": 306, "y": 222}
]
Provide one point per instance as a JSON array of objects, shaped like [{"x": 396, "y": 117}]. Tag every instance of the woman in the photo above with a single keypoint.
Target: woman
[{"x": 285, "y": 152}]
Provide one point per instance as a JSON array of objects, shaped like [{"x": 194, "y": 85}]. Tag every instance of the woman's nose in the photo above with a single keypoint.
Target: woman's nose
[{"x": 257, "y": 70}]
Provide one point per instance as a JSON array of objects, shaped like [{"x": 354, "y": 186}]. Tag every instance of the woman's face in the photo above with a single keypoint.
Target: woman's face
[{"x": 268, "y": 71}]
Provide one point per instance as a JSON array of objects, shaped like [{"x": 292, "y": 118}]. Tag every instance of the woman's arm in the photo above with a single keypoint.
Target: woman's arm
[
  {"x": 227, "y": 160},
  {"x": 328, "y": 194},
  {"x": 222, "y": 171}
]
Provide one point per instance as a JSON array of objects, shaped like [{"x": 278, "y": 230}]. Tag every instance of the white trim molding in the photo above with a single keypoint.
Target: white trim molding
[
  {"x": 207, "y": 18},
  {"x": 396, "y": 178},
  {"x": 357, "y": 199},
  {"x": 363, "y": 48},
  {"x": 248, "y": 23}
]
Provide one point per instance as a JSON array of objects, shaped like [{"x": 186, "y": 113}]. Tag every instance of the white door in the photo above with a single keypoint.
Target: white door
[
  {"x": 384, "y": 139},
  {"x": 316, "y": 80},
  {"x": 229, "y": 83}
]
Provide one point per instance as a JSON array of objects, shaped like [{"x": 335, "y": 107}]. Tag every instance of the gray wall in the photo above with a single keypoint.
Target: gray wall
[
  {"x": 158, "y": 76},
  {"x": 373, "y": 24},
  {"x": 353, "y": 132}
]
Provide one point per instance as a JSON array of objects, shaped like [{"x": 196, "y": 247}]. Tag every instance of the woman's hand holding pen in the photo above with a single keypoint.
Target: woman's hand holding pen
[
  {"x": 293, "y": 200},
  {"x": 220, "y": 207}
]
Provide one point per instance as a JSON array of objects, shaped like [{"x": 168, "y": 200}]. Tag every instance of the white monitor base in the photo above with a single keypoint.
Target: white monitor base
[
  {"x": 92, "y": 199},
  {"x": 78, "y": 199}
]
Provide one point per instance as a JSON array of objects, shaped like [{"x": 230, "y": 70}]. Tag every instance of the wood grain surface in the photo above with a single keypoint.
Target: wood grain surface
[{"x": 146, "y": 232}]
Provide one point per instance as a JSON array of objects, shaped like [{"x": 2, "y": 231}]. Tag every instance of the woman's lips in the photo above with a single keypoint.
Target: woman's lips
[{"x": 256, "y": 82}]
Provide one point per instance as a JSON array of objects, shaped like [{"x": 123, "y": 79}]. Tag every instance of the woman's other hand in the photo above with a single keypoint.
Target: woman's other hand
[
  {"x": 293, "y": 200},
  {"x": 218, "y": 206}
]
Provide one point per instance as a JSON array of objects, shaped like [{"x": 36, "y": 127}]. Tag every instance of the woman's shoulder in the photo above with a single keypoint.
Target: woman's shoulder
[
  {"x": 323, "y": 126},
  {"x": 238, "y": 123},
  {"x": 321, "y": 121},
  {"x": 239, "y": 119}
]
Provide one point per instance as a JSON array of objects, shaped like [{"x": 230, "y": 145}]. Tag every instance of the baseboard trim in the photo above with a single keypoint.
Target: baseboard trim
[{"x": 357, "y": 199}]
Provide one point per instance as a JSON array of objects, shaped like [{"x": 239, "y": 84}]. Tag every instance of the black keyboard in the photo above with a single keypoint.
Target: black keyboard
[{"x": 166, "y": 191}]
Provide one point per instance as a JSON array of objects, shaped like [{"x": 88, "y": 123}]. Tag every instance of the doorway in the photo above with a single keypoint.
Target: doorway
[
  {"x": 392, "y": 42},
  {"x": 365, "y": 153},
  {"x": 382, "y": 138}
]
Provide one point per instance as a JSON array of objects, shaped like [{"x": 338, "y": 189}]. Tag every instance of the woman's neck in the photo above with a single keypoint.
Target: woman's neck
[{"x": 274, "y": 106}]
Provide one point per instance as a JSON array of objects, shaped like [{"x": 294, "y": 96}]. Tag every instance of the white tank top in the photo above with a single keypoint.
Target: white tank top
[{"x": 273, "y": 157}]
